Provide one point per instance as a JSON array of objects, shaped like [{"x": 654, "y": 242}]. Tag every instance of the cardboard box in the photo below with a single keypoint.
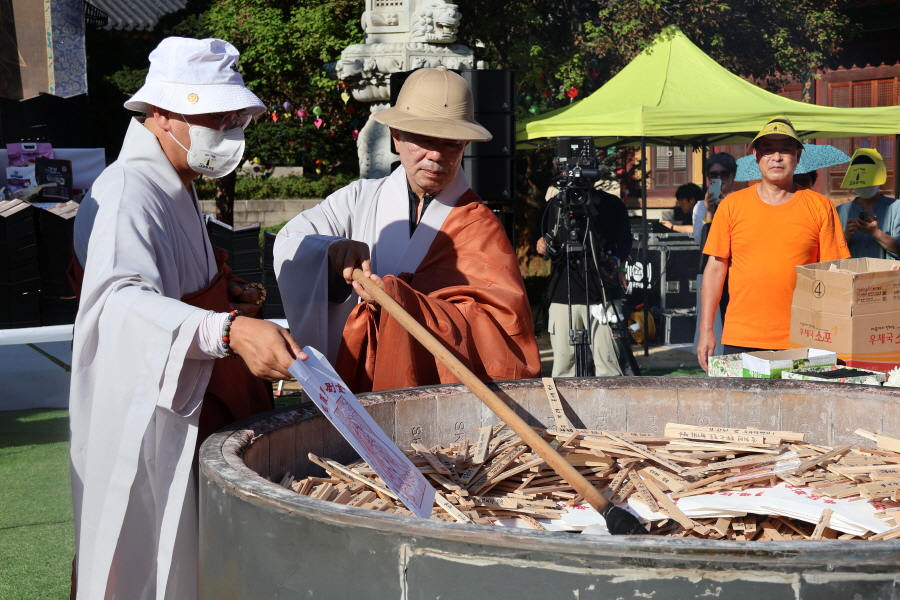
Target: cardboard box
[
  {"x": 769, "y": 364},
  {"x": 850, "y": 287},
  {"x": 725, "y": 365},
  {"x": 850, "y": 307},
  {"x": 871, "y": 377}
]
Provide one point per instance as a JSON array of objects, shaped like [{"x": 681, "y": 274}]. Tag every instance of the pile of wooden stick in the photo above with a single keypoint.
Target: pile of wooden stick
[{"x": 497, "y": 477}]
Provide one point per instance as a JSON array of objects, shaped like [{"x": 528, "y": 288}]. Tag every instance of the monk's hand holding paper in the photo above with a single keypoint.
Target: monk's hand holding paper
[
  {"x": 345, "y": 255},
  {"x": 267, "y": 348},
  {"x": 244, "y": 299}
]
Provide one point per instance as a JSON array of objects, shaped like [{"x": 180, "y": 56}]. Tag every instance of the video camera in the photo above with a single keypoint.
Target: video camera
[{"x": 577, "y": 171}]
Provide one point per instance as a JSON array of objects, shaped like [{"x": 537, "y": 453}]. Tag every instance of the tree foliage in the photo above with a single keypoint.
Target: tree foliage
[
  {"x": 284, "y": 47},
  {"x": 565, "y": 49},
  {"x": 556, "y": 45},
  {"x": 561, "y": 50}
]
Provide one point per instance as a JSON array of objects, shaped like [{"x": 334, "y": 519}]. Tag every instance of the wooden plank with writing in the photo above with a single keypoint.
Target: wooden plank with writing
[
  {"x": 515, "y": 471},
  {"x": 481, "y": 446},
  {"x": 448, "y": 462},
  {"x": 692, "y": 445},
  {"x": 446, "y": 483},
  {"x": 556, "y": 408},
  {"x": 887, "y": 441},
  {"x": 824, "y": 521},
  {"x": 450, "y": 509},
  {"x": 619, "y": 478},
  {"x": 646, "y": 453},
  {"x": 544, "y": 489},
  {"x": 744, "y": 461},
  {"x": 494, "y": 502},
  {"x": 377, "y": 487},
  {"x": 643, "y": 492},
  {"x": 588, "y": 460},
  {"x": 722, "y": 525},
  {"x": 542, "y": 513},
  {"x": 879, "y": 489},
  {"x": 532, "y": 523},
  {"x": 666, "y": 504},
  {"x": 433, "y": 460},
  {"x": 670, "y": 480},
  {"x": 816, "y": 461},
  {"x": 731, "y": 438},
  {"x": 462, "y": 454},
  {"x": 623, "y": 492},
  {"x": 885, "y": 474},
  {"x": 363, "y": 497},
  {"x": 785, "y": 435}
]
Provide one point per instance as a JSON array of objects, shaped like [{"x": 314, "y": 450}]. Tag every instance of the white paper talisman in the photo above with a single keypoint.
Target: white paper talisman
[{"x": 340, "y": 406}]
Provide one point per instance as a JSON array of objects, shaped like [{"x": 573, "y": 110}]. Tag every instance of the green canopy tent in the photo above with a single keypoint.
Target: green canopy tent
[{"x": 673, "y": 94}]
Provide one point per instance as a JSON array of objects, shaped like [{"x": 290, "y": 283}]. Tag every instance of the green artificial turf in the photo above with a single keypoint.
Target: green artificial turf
[{"x": 36, "y": 531}]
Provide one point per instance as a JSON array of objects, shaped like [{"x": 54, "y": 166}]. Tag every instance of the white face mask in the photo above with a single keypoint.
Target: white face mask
[
  {"x": 213, "y": 153},
  {"x": 866, "y": 192}
]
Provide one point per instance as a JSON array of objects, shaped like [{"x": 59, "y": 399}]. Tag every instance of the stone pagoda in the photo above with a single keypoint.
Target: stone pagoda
[{"x": 401, "y": 35}]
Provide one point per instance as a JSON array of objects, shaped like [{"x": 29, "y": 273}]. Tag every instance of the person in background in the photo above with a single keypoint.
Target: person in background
[
  {"x": 607, "y": 222},
  {"x": 806, "y": 180},
  {"x": 720, "y": 167},
  {"x": 758, "y": 237},
  {"x": 871, "y": 221},
  {"x": 687, "y": 196}
]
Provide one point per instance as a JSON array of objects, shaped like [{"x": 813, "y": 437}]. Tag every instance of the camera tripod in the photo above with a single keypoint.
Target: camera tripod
[{"x": 580, "y": 249}]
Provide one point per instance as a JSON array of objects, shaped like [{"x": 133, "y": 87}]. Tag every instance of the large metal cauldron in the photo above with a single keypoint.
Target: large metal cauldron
[{"x": 259, "y": 541}]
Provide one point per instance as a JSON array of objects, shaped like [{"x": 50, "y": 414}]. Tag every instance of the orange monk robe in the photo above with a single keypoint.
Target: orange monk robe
[{"x": 468, "y": 292}]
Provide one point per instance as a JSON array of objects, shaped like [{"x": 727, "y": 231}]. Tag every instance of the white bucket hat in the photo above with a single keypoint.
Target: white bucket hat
[{"x": 195, "y": 77}]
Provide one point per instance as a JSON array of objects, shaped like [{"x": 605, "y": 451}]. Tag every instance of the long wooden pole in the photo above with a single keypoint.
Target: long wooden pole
[{"x": 571, "y": 476}]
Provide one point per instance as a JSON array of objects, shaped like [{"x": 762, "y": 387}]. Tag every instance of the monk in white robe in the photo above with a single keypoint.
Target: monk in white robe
[
  {"x": 143, "y": 351},
  {"x": 435, "y": 247}
]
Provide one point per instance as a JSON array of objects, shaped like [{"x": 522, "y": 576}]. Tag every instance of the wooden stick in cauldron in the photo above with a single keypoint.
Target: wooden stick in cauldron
[{"x": 618, "y": 521}]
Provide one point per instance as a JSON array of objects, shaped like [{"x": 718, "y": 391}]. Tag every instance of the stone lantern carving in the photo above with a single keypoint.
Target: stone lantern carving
[{"x": 401, "y": 35}]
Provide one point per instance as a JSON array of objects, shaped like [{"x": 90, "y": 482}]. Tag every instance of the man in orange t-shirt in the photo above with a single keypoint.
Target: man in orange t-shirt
[{"x": 760, "y": 234}]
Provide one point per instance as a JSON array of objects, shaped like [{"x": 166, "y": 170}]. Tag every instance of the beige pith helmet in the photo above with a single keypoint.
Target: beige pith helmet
[{"x": 437, "y": 103}]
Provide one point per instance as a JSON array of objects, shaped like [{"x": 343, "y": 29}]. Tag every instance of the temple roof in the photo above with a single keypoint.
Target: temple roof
[{"x": 137, "y": 14}]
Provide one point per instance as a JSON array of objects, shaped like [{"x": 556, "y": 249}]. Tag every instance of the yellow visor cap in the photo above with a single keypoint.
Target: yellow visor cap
[
  {"x": 777, "y": 126},
  {"x": 866, "y": 169}
]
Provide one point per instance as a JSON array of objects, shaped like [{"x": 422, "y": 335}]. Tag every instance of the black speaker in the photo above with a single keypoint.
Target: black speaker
[
  {"x": 494, "y": 90},
  {"x": 503, "y": 128},
  {"x": 397, "y": 81},
  {"x": 492, "y": 177}
]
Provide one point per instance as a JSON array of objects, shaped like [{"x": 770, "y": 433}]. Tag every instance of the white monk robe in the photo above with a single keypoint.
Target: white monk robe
[
  {"x": 136, "y": 384},
  {"x": 374, "y": 211}
]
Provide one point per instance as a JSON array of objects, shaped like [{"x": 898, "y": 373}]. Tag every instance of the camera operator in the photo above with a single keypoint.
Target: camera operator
[{"x": 604, "y": 219}]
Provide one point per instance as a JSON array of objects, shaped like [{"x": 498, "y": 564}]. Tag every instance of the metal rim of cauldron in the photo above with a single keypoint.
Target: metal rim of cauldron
[{"x": 221, "y": 462}]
